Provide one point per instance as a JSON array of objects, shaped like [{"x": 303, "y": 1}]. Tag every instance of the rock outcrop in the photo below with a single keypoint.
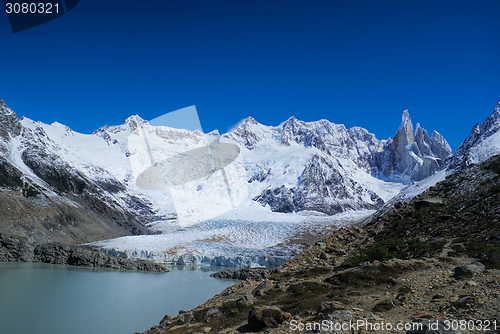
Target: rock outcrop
[
  {"x": 262, "y": 317},
  {"x": 23, "y": 250},
  {"x": 413, "y": 155},
  {"x": 245, "y": 273},
  {"x": 9, "y": 122},
  {"x": 469, "y": 270}
]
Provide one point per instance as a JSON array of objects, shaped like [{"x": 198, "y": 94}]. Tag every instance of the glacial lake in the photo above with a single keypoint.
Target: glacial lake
[{"x": 48, "y": 299}]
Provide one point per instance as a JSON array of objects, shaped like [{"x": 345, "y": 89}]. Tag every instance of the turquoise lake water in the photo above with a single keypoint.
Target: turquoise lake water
[{"x": 52, "y": 299}]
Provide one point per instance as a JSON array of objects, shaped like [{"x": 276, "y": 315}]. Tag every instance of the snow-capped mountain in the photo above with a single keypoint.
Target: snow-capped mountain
[
  {"x": 316, "y": 166},
  {"x": 47, "y": 195},
  {"x": 332, "y": 166},
  {"x": 482, "y": 143},
  {"x": 286, "y": 177}
]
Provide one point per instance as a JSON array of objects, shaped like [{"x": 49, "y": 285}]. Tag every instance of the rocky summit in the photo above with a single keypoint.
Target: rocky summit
[{"x": 413, "y": 155}]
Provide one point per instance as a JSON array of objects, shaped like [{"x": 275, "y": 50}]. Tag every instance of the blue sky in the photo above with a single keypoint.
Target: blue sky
[{"x": 360, "y": 63}]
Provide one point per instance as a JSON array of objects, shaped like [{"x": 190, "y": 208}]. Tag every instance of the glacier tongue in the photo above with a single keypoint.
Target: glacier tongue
[{"x": 230, "y": 241}]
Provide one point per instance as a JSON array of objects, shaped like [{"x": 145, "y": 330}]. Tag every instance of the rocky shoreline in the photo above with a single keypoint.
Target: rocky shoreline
[
  {"x": 19, "y": 249},
  {"x": 246, "y": 273},
  {"x": 309, "y": 290}
]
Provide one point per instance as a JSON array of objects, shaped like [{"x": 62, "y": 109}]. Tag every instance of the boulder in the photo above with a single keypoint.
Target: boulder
[
  {"x": 167, "y": 320},
  {"x": 330, "y": 306},
  {"x": 464, "y": 302},
  {"x": 185, "y": 316},
  {"x": 246, "y": 300},
  {"x": 321, "y": 245},
  {"x": 262, "y": 288},
  {"x": 266, "y": 316},
  {"x": 335, "y": 321},
  {"x": 469, "y": 270},
  {"x": 384, "y": 305}
]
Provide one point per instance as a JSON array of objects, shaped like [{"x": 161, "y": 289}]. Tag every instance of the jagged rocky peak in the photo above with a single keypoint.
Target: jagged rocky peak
[
  {"x": 423, "y": 140},
  {"x": 406, "y": 127},
  {"x": 247, "y": 131},
  {"x": 249, "y": 121},
  {"x": 474, "y": 149},
  {"x": 413, "y": 155},
  {"x": 214, "y": 133},
  {"x": 133, "y": 122},
  {"x": 130, "y": 125},
  {"x": 292, "y": 130},
  {"x": 10, "y": 126},
  {"x": 440, "y": 146}
]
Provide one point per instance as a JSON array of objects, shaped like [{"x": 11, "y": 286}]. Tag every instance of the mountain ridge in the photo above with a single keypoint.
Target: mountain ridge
[{"x": 308, "y": 170}]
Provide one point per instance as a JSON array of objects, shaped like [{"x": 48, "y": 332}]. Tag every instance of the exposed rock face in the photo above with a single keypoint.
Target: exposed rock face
[
  {"x": 245, "y": 273},
  {"x": 9, "y": 122},
  {"x": 10, "y": 176},
  {"x": 439, "y": 146},
  {"x": 469, "y": 270},
  {"x": 413, "y": 156},
  {"x": 322, "y": 187},
  {"x": 16, "y": 249},
  {"x": 246, "y": 132},
  {"x": 22, "y": 250}
]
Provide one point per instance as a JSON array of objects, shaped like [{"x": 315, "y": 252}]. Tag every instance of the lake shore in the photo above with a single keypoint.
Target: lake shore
[{"x": 20, "y": 249}]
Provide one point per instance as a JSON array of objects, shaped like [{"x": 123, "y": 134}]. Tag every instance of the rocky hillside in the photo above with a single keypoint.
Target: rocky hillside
[{"x": 433, "y": 259}]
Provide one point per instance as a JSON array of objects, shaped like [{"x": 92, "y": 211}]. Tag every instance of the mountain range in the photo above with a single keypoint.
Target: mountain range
[{"x": 59, "y": 185}]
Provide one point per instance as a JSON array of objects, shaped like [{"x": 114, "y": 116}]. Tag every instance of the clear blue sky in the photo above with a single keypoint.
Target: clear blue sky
[{"x": 352, "y": 62}]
